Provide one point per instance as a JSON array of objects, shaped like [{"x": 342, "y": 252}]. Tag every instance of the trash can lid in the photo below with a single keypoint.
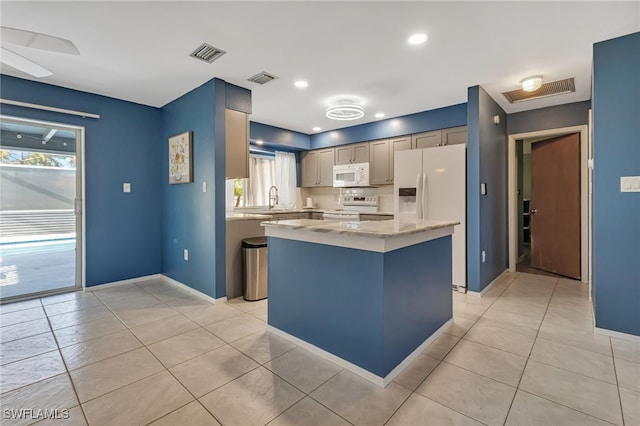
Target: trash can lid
[{"x": 254, "y": 242}]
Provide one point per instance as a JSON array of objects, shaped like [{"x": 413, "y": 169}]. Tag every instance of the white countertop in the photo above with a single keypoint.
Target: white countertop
[
  {"x": 379, "y": 236},
  {"x": 245, "y": 216}
]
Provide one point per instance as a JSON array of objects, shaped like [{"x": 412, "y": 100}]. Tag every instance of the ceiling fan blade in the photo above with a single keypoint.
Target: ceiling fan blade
[
  {"x": 38, "y": 41},
  {"x": 23, "y": 64}
]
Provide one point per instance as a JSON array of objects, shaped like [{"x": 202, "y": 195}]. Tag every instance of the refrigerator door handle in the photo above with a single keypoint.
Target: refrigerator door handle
[
  {"x": 425, "y": 197},
  {"x": 419, "y": 196}
]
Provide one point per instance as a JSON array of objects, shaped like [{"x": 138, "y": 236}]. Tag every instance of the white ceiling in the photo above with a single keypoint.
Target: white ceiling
[{"x": 138, "y": 50}]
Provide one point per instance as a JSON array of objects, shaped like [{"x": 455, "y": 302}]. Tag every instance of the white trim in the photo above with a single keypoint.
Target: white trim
[
  {"x": 123, "y": 282},
  {"x": 367, "y": 243},
  {"x": 48, "y": 108},
  {"x": 585, "y": 207},
  {"x": 616, "y": 334},
  {"x": 373, "y": 378},
  {"x": 487, "y": 288},
  {"x": 191, "y": 290}
]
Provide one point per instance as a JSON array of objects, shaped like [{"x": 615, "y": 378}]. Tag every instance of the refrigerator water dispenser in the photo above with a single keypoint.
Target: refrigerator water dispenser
[{"x": 407, "y": 200}]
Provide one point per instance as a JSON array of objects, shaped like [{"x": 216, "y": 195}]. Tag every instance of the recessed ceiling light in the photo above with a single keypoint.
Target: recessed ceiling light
[
  {"x": 417, "y": 38},
  {"x": 259, "y": 142},
  {"x": 379, "y": 115},
  {"x": 316, "y": 129},
  {"x": 301, "y": 84}
]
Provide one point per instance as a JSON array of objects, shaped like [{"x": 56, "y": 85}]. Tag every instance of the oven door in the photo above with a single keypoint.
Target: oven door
[{"x": 341, "y": 216}]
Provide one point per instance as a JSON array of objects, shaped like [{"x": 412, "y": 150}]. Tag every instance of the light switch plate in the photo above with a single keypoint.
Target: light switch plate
[
  {"x": 483, "y": 188},
  {"x": 630, "y": 184},
  {"x": 126, "y": 187},
  {"x": 204, "y": 186}
]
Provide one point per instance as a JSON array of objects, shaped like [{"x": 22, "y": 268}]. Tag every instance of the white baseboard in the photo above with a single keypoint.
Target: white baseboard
[
  {"x": 191, "y": 290},
  {"x": 617, "y": 334},
  {"x": 123, "y": 282},
  {"x": 376, "y": 380},
  {"x": 487, "y": 288},
  {"x": 155, "y": 277}
]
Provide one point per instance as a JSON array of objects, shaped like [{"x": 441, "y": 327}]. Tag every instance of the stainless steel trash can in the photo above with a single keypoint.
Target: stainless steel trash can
[{"x": 254, "y": 252}]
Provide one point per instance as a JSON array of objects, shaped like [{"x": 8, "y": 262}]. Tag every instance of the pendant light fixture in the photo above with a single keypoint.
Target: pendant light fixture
[{"x": 345, "y": 109}]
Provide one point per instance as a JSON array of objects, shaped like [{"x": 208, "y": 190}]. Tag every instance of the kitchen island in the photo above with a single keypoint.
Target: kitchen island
[{"x": 370, "y": 296}]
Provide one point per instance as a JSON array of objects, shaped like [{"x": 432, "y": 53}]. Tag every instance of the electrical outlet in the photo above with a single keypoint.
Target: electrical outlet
[
  {"x": 186, "y": 254},
  {"x": 484, "y": 256},
  {"x": 126, "y": 187}
]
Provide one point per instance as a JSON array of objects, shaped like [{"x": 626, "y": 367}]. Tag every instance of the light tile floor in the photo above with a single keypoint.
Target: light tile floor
[{"x": 151, "y": 353}]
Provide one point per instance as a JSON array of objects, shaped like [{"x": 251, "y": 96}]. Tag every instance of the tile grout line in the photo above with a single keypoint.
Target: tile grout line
[
  {"x": 555, "y": 286},
  {"x": 447, "y": 353},
  {"x": 615, "y": 373},
  {"x": 529, "y": 358},
  {"x": 66, "y": 367}
]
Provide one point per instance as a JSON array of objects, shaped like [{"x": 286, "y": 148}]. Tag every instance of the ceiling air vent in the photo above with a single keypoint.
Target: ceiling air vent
[
  {"x": 262, "y": 78},
  {"x": 206, "y": 52},
  {"x": 547, "y": 89}
]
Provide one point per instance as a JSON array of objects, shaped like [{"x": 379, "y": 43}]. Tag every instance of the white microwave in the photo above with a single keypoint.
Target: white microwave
[{"x": 349, "y": 175}]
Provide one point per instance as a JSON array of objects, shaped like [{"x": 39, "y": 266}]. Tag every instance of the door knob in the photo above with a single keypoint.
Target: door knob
[{"x": 534, "y": 211}]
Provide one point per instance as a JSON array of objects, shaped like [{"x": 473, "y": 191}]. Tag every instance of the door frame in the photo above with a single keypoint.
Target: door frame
[
  {"x": 585, "y": 204},
  {"x": 80, "y": 194}
]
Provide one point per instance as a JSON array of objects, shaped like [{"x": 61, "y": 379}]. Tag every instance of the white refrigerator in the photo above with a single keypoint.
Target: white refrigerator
[{"x": 430, "y": 184}]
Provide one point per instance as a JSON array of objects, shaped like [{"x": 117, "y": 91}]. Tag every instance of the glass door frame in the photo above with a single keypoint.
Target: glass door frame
[{"x": 79, "y": 205}]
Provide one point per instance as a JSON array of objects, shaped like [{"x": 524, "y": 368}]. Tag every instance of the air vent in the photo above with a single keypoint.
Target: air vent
[
  {"x": 262, "y": 78},
  {"x": 547, "y": 89},
  {"x": 206, "y": 52}
]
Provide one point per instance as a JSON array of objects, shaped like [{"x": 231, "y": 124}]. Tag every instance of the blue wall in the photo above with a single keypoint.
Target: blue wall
[
  {"x": 189, "y": 213},
  {"x": 193, "y": 219},
  {"x": 278, "y": 138},
  {"x": 452, "y": 116},
  {"x": 555, "y": 117},
  {"x": 371, "y": 309},
  {"x": 616, "y": 215},
  {"x": 486, "y": 214},
  {"x": 123, "y": 230}
]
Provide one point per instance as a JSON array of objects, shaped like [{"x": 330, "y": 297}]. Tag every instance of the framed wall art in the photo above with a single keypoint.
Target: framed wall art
[{"x": 181, "y": 158}]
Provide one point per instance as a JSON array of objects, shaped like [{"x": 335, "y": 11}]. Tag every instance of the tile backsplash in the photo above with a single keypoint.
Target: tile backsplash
[{"x": 326, "y": 198}]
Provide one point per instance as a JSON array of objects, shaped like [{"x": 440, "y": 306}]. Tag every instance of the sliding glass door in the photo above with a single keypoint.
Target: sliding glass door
[{"x": 40, "y": 214}]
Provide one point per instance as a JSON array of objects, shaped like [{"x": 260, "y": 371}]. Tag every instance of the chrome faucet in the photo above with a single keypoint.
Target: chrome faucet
[{"x": 273, "y": 198}]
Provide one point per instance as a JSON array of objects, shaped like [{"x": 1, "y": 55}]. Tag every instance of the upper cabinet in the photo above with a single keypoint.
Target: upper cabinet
[
  {"x": 354, "y": 153},
  {"x": 381, "y": 158},
  {"x": 426, "y": 139},
  {"x": 454, "y": 135},
  {"x": 317, "y": 167},
  {"x": 450, "y": 136},
  {"x": 236, "y": 144}
]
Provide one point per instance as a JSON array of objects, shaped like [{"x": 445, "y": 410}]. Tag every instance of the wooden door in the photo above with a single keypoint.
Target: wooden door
[{"x": 555, "y": 205}]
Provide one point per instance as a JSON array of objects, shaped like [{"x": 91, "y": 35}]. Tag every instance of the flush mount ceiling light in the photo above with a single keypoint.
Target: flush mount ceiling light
[
  {"x": 417, "y": 38},
  {"x": 531, "y": 84},
  {"x": 301, "y": 84},
  {"x": 316, "y": 129},
  {"x": 345, "y": 109},
  {"x": 379, "y": 115}
]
